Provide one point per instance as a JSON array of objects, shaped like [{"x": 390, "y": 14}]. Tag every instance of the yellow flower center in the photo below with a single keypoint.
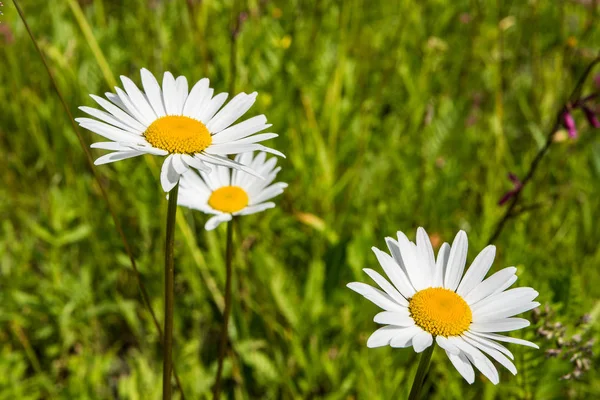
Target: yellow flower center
[
  {"x": 440, "y": 312},
  {"x": 178, "y": 134},
  {"x": 228, "y": 199}
]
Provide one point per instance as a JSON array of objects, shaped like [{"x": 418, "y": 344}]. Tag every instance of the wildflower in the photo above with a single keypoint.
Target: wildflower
[
  {"x": 569, "y": 124},
  {"x": 187, "y": 127},
  {"x": 430, "y": 299},
  {"x": 226, "y": 193}
]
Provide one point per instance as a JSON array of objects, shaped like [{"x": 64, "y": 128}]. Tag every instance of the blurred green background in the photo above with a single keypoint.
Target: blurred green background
[{"x": 392, "y": 114}]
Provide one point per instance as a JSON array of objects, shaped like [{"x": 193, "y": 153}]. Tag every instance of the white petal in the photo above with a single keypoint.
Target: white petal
[
  {"x": 138, "y": 98},
  {"x": 375, "y": 296},
  {"x": 115, "y": 146},
  {"x": 132, "y": 108},
  {"x": 153, "y": 92},
  {"x": 231, "y": 112},
  {"x": 421, "y": 341},
  {"x": 405, "y": 336},
  {"x": 109, "y": 119},
  {"x": 116, "y": 156},
  {"x": 268, "y": 193},
  {"x": 447, "y": 345},
  {"x": 488, "y": 286},
  {"x": 119, "y": 113},
  {"x": 504, "y": 312},
  {"x": 511, "y": 297},
  {"x": 495, "y": 354},
  {"x": 463, "y": 366},
  {"x": 477, "y": 271},
  {"x": 394, "y": 248},
  {"x": 211, "y": 108},
  {"x": 255, "y": 209},
  {"x": 394, "y": 318},
  {"x": 170, "y": 95},
  {"x": 425, "y": 254},
  {"x": 502, "y": 325},
  {"x": 168, "y": 176},
  {"x": 242, "y": 130},
  {"x": 231, "y": 148},
  {"x": 145, "y": 147},
  {"x": 179, "y": 166},
  {"x": 382, "y": 336},
  {"x": 395, "y": 273},
  {"x": 508, "y": 339},
  {"x": 440, "y": 265},
  {"x": 488, "y": 342},
  {"x": 199, "y": 95},
  {"x": 478, "y": 359},
  {"x": 108, "y": 131},
  {"x": 456, "y": 261},
  {"x": 261, "y": 137},
  {"x": 386, "y": 286},
  {"x": 226, "y": 162},
  {"x": 215, "y": 221},
  {"x": 409, "y": 258},
  {"x": 508, "y": 283},
  {"x": 195, "y": 163},
  {"x": 181, "y": 86}
]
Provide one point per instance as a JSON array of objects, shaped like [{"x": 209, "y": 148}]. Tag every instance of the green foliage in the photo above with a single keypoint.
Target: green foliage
[{"x": 392, "y": 114}]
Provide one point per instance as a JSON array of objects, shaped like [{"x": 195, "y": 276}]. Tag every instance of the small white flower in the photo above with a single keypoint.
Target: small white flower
[
  {"x": 225, "y": 193},
  {"x": 188, "y": 128},
  {"x": 431, "y": 300}
]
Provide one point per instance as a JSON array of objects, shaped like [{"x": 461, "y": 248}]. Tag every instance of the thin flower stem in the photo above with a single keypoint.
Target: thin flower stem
[
  {"x": 227, "y": 312},
  {"x": 90, "y": 162},
  {"x": 573, "y": 98},
  {"x": 415, "y": 392},
  {"x": 169, "y": 278}
]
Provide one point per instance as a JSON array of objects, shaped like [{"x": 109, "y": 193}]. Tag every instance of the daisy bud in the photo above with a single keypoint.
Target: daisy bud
[
  {"x": 591, "y": 117},
  {"x": 569, "y": 123}
]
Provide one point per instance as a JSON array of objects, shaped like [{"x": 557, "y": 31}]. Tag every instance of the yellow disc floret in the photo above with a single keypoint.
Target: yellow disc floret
[
  {"x": 178, "y": 134},
  {"x": 228, "y": 199},
  {"x": 440, "y": 312}
]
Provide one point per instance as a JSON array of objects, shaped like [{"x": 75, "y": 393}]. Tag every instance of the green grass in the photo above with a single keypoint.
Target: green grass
[{"x": 392, "y": 115}]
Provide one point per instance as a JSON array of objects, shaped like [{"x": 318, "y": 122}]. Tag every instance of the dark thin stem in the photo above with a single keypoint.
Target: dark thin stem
[
  {"x": 227, "y": 312},
  {"x": 415, "y": 392},
  {"x": 90, "y": 162},
  {"x": 169, "y": 278},
  {"x": 235, "y": 32},
  {"x": 573, "y": 98}
]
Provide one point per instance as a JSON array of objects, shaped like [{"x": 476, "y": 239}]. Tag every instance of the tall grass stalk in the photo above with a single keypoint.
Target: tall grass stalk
[{"x": 90, "y": 162}]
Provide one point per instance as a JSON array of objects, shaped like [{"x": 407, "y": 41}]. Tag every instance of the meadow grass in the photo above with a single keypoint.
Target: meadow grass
[{"x": 392, "y": 114}]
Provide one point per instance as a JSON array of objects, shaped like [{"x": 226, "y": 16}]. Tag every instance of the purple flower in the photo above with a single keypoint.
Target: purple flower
[
  {"x": 569, "y": 123},
  {"x": 591, "y": 117},
  {"x": 517, "y": 185}
]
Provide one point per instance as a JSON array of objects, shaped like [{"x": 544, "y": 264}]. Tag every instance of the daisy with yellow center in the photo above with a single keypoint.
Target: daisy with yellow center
[
  {"x": 429, "y": 299},
  {"x": 191, "y": 128},
  {"x": 225, "y": 193}
]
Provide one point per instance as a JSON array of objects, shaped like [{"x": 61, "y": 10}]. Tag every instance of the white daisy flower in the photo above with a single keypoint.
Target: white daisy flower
[
  {"x": 225, "y": 193},
  {"x": 187, "y": 127},
  {"x": 430, "y": 299}
]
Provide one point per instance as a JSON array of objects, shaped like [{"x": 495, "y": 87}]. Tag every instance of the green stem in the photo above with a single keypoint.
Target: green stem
[
  {"x": 415, "y": 392},
  {"x": 169, "y": 274},
  {"x": 227, "y": 311}
]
